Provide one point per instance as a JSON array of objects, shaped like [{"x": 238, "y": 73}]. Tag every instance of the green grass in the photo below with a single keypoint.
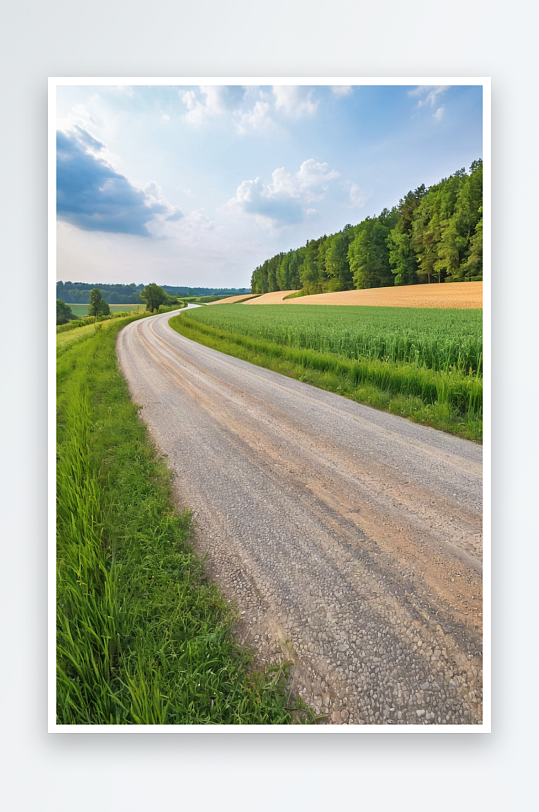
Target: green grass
[
  {"x": 422, "y": 364},
  {"x": 81, "y": 310},
  {"x": 142, "y": 637}
]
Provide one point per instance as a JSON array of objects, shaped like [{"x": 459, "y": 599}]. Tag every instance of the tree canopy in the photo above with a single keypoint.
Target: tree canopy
[
  {"x": 97, "y": 306},
  {"x": 63, "y": 312},
  {"x": 154, "y": 296}
]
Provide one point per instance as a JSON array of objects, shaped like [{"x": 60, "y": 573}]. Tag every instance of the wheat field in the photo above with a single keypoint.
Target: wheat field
[{"x": 459, "y": 295}]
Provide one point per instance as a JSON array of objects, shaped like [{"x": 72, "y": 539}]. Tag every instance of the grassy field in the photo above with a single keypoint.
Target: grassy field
[
  {"x": 81, "y": 310},
  {"x": 424, "y": 364},
  {"x": 142, "y": 638}
]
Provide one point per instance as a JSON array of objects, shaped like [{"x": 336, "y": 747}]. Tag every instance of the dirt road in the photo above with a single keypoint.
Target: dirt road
[{"x": 350, "y": 539}]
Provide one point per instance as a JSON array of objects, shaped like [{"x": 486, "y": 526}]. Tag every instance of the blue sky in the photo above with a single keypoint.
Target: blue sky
[{"x": 197, "y": 185}]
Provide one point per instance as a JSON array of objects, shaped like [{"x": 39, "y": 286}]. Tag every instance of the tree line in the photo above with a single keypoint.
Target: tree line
[
  {"x": 434, "y": 235},
  {"x": 152, "y": 295},
  {"x": 79, "y": 292}
]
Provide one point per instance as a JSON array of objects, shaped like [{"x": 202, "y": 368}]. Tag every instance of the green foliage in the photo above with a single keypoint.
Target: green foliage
[
  {"x": 336, "y": 260},
  {"x": 79, "y": 292},
  {"x": 81, "y": 310},
  {"x": 142, "y": 637},
  {"x": 97, "y": 306},
  {"x": 64, "y": 314},
  {"x": 368, "y": 253},
  {"x": 154, "y": 296},
  {"x": 402, "y": 256},
  {"x": 432, "y": 235},
  {"x": 77, "y": 323},
  {"x": 429, "y": 362}
]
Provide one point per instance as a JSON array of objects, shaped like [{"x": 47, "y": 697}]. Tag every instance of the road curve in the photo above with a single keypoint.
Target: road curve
[{"x": 350, "y": 539}]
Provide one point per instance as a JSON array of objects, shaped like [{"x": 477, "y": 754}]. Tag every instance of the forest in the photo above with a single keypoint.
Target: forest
[
  {"x": 79, "y": 292},
  {"x": 435, "y": 234}
]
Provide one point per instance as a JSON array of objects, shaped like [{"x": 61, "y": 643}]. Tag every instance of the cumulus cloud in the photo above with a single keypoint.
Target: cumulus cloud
[
  {"x": 258, "y": 118},
  {"x": 284, "y": 200},
  {"x": 428, "y": 94},
  {"x": 94, "y": 197},
  {"x": 252, "y": 108},
  {"x": 209, "y": 101},
  {"x": 294, "y": 101}
]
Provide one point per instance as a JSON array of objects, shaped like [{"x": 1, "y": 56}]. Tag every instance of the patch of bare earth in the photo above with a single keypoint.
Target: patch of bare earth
[{"x": 232, "y": 299}]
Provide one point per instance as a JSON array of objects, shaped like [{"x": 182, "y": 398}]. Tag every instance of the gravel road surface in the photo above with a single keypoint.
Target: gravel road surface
[{"x": 349, "y": 539}]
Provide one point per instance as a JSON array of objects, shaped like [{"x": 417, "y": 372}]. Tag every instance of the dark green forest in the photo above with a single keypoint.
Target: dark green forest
[
  {"x": 79, "y": 292},
  {"x": 435, "y": 234}
]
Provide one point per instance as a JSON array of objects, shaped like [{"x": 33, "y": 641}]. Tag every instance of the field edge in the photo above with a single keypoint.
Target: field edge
[{"x": 287, "y": 362}]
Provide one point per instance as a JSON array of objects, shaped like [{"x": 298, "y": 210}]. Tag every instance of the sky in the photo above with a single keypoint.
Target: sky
[{"x": 198, "y": 185}]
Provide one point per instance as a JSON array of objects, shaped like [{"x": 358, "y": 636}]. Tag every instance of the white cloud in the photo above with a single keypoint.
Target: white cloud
[
  {"x": 309, "y": 182},
  {"x": 257, "y": 119},
  {"x": 196, "y": 113},
  {"x": 437, "y": 116},
  {"x": 342, "y": 90},
  {"x": 294, "y": 101},
  {"x": 357, "y": 196},
  {"x": 209, "y": 101},
  {"x": 189, "y": 229},
  {"x": 166, "y": 212},
  {"x": 283, "y": 201},
  {"x": 251, "y": 107},
  {"x": 428, "y": 93},
  {"x": 196, "y": 223}
]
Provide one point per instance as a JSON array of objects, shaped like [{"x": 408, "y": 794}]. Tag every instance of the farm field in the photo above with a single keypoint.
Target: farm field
[
  {"x": 81, "y": 310},
  {"x": 424, "y": 363},
  {"x": 466, "y": 295}
]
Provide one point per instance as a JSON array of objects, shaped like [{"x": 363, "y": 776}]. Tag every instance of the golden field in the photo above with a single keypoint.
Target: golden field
[
  {"x": 233, "y": 299},
  {"x": 460, "y": 295}
]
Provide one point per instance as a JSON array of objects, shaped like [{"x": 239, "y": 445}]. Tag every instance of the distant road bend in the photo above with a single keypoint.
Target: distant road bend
[{"x": 350, "y": 539}]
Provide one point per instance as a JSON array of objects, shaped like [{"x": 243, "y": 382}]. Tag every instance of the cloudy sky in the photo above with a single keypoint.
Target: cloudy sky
[{"x": 197, "y": 185}]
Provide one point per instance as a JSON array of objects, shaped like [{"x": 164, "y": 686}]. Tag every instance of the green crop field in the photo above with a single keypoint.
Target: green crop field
[
  {"x": 425, "y": 364},
  {"x": 81, "y": 310}
]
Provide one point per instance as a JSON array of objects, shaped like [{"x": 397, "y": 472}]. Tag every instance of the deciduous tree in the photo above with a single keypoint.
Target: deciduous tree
[
  {"x": 154, "y": 296},
  {"x": 98, "y": 306}
]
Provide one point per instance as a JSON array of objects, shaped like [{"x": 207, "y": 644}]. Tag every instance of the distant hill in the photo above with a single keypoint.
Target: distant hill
[{"x": 79, "y": 292}]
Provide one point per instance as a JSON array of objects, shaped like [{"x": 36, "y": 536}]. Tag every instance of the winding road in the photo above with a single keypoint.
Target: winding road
[{"x": 350, "y": 539}]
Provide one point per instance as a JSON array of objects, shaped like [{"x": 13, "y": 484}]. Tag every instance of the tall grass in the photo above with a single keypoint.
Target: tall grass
[
  {"x": 142, "y": 638},
  {"x": 421, "y": 364}
]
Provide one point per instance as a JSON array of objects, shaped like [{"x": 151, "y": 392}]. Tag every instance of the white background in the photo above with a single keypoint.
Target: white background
[{"x": 307, "y": 771}]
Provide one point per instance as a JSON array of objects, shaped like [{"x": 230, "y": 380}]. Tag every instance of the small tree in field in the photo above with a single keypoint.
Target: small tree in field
[
  {"x": 154, "y": 296},
  {"x": 98, "y": 306}
]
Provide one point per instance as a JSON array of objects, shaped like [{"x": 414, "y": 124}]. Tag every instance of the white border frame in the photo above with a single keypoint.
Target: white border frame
[{"x": 485, "y": 83}]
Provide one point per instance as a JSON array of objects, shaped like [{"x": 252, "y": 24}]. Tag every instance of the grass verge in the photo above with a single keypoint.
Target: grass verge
[
  {"x": 443, "y": 400},
  {"x": 142, "y": 638}
]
